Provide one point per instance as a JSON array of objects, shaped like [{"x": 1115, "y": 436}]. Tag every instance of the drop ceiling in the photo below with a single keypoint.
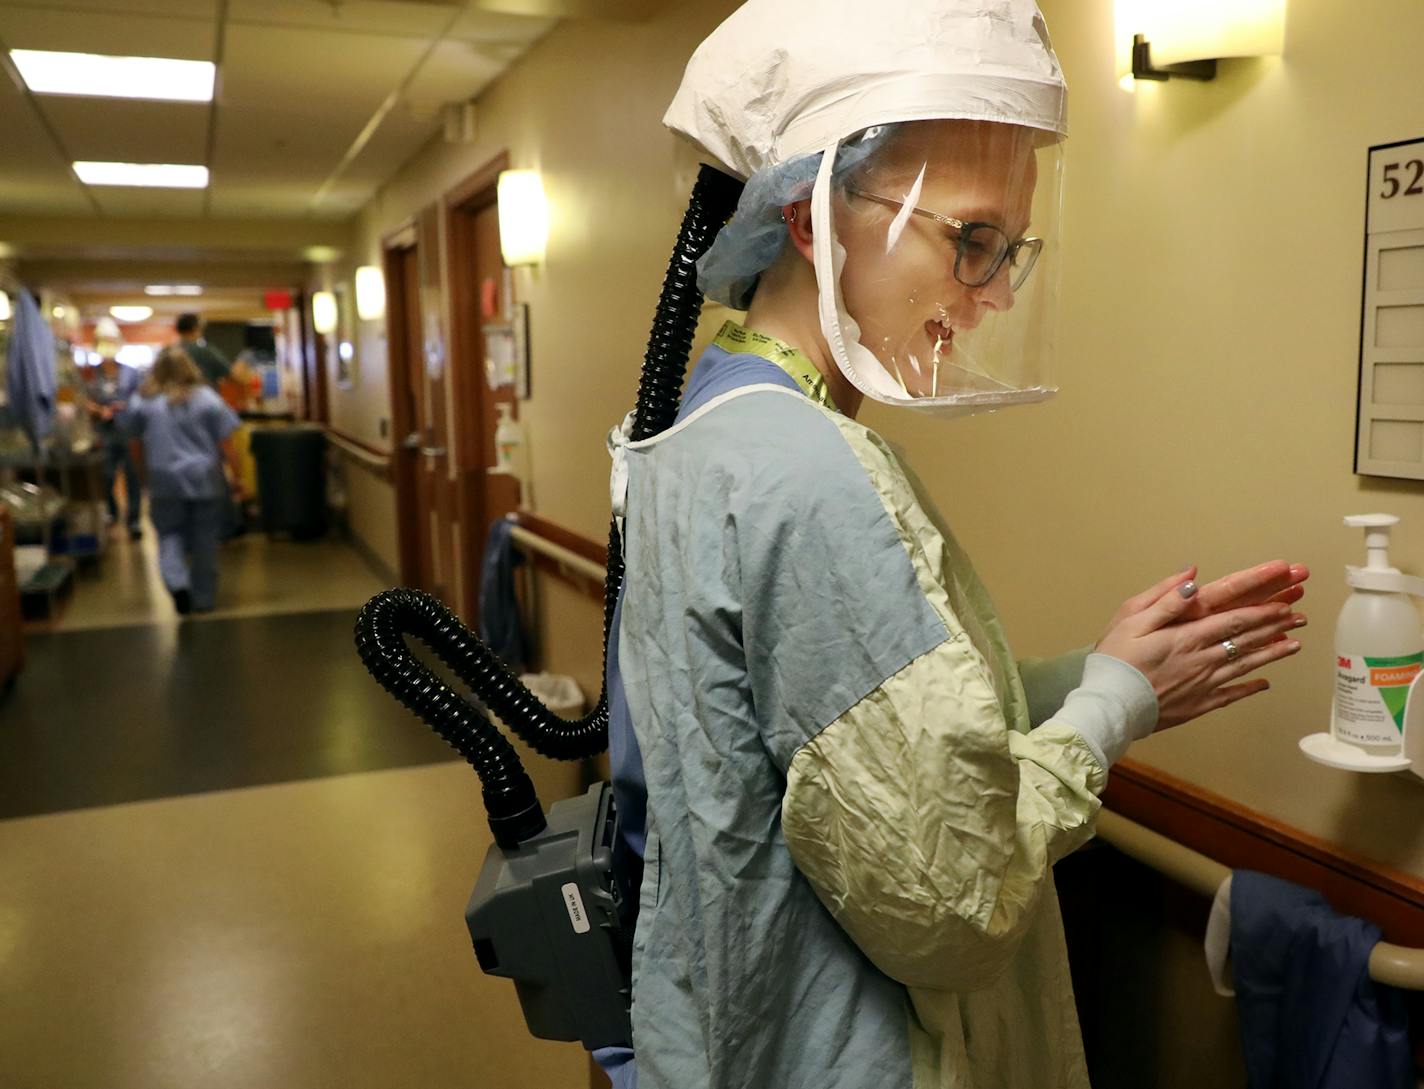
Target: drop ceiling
[{"x": 318, "y": 101}]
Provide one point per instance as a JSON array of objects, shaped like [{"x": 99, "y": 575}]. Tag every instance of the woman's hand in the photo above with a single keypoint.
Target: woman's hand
[{"x": 1175, "y": 635}]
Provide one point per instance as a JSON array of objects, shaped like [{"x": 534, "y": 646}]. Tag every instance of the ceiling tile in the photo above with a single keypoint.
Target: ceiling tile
[
  {"x": 501, "y": 31},
  {"x": 125, "y": 201},
  {"x": 419, "y": 20},
  {"x": 403, "y": 133},
  {"x": 454, "y": 72},
  {"x": 293, "y": 101},
  {"x": 187, "y": 9},
  {"x": 41, "y": 197},
  {"x": 269, "y": 200},
  {"x": 187, "y": 38},
  {"x": 130, "y": 131},
  {"x": 614, "y": 10},
  {"x": 34, "y": 178}
]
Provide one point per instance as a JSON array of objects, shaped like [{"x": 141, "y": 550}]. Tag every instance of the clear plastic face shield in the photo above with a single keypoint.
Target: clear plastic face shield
[{"x": 935, "y": 246}]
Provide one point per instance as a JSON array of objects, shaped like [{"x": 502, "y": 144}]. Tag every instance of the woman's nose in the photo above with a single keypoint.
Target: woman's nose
[{"x": 998, "y": 293}]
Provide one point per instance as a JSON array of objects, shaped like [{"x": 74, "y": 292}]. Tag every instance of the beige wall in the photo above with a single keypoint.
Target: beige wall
[
  {"x": 1208, "y": 351},
  {"x": 371, "y": 514}
]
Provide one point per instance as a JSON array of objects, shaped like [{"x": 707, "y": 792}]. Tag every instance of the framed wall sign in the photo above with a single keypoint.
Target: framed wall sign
[
  {"x": 1389, "y": 432},
  {"x": 506, "y": 351}
]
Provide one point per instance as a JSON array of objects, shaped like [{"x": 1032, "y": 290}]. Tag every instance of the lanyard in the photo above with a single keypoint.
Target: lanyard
[{"x": 740, "y": 340}]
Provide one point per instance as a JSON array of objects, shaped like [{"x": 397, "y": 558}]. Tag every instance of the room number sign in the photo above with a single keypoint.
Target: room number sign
[{"x": 1389, "y": 435}]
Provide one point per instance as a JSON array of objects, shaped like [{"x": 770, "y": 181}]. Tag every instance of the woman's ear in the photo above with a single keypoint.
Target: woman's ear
[{"x": 798, "y": 226}]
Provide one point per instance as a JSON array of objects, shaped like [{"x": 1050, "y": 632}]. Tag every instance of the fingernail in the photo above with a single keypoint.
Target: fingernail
[
  {"x": 1299, "y": 622},
  {"x": 1187, "y": 589},
  {"x": 1294, "y": 645}
]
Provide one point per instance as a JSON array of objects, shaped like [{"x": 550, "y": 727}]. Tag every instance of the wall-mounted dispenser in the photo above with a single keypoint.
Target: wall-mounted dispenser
[{"x": 1377, "y": 713}]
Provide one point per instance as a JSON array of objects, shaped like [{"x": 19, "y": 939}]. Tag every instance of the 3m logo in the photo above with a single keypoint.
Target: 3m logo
[{"x": 1343, "y": 663}]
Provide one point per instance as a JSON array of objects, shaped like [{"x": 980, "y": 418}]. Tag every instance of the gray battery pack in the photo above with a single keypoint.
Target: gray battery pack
[{"x": 550, "y": 916}]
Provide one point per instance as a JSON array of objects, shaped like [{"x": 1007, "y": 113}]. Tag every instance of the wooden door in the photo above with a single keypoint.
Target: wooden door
[
  {"x": 478, "y": 293},
  {"x": 436, "y": 459},
  {"x": 418, "y": 475}
]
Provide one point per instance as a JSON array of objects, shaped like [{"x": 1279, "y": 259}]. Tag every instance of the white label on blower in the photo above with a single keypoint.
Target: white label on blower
[{"x": 574, "y": 902}]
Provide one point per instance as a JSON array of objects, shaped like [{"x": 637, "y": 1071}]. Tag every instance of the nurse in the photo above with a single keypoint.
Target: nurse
[
  {"x": 108, "y": 389},
  {"x": 186, "y": 432},
  {"x": 847, "y": 792}
]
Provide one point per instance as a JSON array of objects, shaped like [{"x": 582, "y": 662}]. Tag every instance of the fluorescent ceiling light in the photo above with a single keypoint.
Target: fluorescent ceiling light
[
  {"x": 173, "y": 289},
  {"x": 158, "y": 175},
  {"x": 98, "y": 76},
  {"x": 132, "y": 313}
]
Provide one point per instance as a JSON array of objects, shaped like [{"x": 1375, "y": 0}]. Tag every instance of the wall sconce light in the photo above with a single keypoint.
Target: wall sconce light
[
  {"x": 131, "y": 313},
  {"x": 1183, "y": 39},
  {"x": 324, "y": 314},
  {"x": 4, "y": 306},
  {"x": 523, "y": 217},
  {"x": 370, "y": 293}
]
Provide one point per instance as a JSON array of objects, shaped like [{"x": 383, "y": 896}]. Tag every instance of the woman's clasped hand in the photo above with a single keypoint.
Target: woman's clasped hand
[{"x": 1194, "y": 644}]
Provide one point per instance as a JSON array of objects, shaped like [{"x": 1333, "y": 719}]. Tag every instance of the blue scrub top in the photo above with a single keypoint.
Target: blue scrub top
[
  {"x": 120, "y": 390},
  {"x": 182, "y": 443}
]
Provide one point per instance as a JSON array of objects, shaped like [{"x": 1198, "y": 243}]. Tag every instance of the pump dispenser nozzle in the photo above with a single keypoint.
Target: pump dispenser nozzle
[{"x": 1376, "y": 527}]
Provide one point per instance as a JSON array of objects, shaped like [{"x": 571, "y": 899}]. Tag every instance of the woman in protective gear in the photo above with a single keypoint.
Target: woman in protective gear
[{"x": 847, "y": 792}]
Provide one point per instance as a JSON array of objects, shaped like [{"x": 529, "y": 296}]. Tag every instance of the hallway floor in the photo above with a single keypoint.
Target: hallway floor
[{"x": 227, "y": 859}]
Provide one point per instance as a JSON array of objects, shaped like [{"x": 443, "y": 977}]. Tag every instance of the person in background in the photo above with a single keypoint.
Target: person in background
[
  {"x": 210, "y": 362},
  {"x": 186, "y": 434},
  {"x": 108, "y": 389}
]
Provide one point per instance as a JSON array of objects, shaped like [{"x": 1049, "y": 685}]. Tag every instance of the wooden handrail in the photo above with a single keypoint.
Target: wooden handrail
[
  {"x": 565, "y": 558},
  {"x": 368, "y": 457},
  {"x": 1394, "y": 965}
]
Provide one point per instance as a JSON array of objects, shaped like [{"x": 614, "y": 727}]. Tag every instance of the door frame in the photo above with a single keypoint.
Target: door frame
[
  {"x": 476, "y": 193},
  {"x": 400, "y": 367}
]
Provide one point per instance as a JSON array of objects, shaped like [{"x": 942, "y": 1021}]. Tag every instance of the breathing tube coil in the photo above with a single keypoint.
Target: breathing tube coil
[{"x": 388, "y": 618}]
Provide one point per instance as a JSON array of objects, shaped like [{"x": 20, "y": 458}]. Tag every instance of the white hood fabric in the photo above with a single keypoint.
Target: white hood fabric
[
  {"x": 752, "y": 101},
  {"x": 777, "y": 90}
]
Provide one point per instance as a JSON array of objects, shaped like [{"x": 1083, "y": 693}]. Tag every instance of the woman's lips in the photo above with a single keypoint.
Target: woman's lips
[{"x": 941, "y": 334}]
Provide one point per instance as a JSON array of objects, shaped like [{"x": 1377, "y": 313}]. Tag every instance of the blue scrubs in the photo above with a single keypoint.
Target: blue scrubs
[
  {"x": 117, "y": 390},
  {"x": 183, "y": 450}
]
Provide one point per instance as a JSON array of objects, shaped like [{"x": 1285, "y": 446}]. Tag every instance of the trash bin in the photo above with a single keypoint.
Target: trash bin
[
  {"x": 559, "y": 693},
  {"x": 554, "y": 780},
  {"x": 291, "y": 479}
]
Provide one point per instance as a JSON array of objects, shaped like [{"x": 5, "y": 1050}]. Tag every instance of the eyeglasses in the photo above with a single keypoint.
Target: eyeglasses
[{"x": 980, "y": 248}]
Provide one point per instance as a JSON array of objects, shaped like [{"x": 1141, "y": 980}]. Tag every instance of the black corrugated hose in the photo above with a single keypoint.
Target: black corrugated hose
[{"x": 388, "y": 618}]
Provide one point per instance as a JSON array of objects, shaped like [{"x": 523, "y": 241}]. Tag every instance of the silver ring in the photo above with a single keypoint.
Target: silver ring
[{"x": 1232, "y": 650}]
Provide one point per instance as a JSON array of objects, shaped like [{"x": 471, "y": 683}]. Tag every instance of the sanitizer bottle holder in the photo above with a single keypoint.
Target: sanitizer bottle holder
[{"x": 1325, "y": 748}]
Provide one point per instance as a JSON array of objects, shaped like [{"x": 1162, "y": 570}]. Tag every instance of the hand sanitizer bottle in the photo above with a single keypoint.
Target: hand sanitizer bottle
[
  {"x": 507, "y": 440},
  {"x": 1379, "y": 648}
]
